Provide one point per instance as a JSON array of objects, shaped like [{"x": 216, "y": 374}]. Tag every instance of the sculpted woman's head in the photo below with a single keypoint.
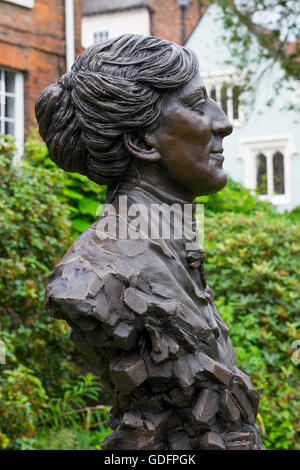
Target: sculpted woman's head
[{"x": 135, "y": 99}]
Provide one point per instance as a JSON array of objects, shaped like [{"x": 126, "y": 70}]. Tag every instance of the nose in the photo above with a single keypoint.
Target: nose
[{"x": 221, "y": 125}]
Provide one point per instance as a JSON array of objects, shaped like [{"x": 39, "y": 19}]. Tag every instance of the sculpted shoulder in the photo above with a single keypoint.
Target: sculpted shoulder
[
  {"x": 109, "y": 253},
  {"x": 86, "y": 267}
]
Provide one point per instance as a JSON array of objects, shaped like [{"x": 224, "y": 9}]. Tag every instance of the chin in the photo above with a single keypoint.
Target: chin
[{"x": 219, "y": 182}]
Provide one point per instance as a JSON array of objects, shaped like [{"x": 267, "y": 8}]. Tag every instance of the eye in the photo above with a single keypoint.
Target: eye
[{"x": 198, "y": 107}]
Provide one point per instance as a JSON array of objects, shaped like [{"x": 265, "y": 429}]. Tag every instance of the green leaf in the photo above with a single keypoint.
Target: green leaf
[
  {"x": 88, "y": 206},
  {"x": 80, "y": 225},
  {"x": 72, "y": 194},
  {"x": 72, "y": 209}
]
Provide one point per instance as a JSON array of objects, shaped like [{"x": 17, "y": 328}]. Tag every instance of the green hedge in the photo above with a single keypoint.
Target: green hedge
[
  {"x": 82, "y": 198},
  {"x": 34, "y": 233},
  {"x": 253, "y": 268}
]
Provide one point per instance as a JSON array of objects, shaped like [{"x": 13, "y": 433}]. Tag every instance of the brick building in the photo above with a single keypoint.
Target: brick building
[
  {"x": 33, "y": 51},
  {"x": 169, "y": 19}
]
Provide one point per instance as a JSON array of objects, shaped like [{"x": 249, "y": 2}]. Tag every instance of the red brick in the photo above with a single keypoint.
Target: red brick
[
  {"x": 166, "y": 19},
  {"x": 33, "y": 41}
]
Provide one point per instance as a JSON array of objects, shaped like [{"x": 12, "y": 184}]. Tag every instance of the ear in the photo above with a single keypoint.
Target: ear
[{"x": 149, "y": 154}]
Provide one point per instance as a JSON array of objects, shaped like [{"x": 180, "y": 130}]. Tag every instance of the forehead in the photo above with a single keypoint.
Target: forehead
[
  {"x": 193, "y": 87},
  {"x": 191, "y": 91}
]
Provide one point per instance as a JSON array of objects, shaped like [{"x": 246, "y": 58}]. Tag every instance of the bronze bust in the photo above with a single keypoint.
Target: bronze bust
[{"x": 134, "y": 114}]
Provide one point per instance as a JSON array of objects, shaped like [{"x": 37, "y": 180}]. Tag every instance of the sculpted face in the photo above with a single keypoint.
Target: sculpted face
[{"x": 189, "y": 140}]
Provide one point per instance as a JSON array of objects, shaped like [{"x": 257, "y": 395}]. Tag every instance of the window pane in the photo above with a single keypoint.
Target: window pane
[
  {"x": 9, "y": 107},
  {"x": 101, "y": 36},
  {"x": 235, "y": 100},
  {"x": 278, "y": 173},
  {"x": 261, "y": 174},
  {"x": 213, "y": 94},
  {"x": 2, "y": 92},
  {"x": 224, "y": 98},
  {"x": 9, "y": 82},
  {"x": 9, "y": 128}
]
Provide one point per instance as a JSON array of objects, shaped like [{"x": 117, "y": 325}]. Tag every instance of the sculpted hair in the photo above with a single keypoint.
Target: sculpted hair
[{"x": 114, "y": 88}]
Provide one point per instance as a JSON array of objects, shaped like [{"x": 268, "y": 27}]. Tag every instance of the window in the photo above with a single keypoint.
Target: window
[
  {"x": 22, "y": 3},
  {"x": 226, "y": 91},
  {"x": 12, "y": 105},
  {"x": 267, "y": 163},
  {"x": 101, "y": 36},
  {"x": 278, "y": 173},
  {"x": 261, "y": 174}
]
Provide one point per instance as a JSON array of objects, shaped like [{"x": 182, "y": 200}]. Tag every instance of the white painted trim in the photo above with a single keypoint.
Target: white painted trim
[
  {"x": 220, "y": 76},
  {"x": 22, "y": 3},
  {"x": 2, "y": 100},
  {"x": 268, "y": 145},
  {"x": 216, "y": 80},
  {"x": 19, "y": 116},
  {"x": 270, "y": 138},
  {"x": 70, "y": 33}
]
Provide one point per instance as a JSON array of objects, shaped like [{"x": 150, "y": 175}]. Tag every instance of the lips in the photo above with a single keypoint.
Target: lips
[{"x": 218, "y": 156}]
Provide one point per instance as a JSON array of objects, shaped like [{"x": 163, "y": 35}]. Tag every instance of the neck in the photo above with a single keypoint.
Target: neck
[
  {"x": 154, "y": 180},
  {"x": 151, "y": 189}
]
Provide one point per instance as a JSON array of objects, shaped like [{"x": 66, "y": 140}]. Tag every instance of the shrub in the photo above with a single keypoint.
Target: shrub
[
  {"x": 83, "y": 198},
  {"x": 71, "y": 408},
  {"x": 34, "y": 233},
  {"x": 69, "y": 439},
  {"x": 253, "y": 268}
]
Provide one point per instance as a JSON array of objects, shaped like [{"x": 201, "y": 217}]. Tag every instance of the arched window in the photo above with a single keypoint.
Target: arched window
[
  {"x": 278, "y": 173},
  {"x": 224, "y": 99},
  {"x": 267, "y": 162},
  {"x": 261, "y": 174},
  {"x": 213, "y": 94},
  {"x": 236, "y": 91},
  {"x": 226, "y": 90}
]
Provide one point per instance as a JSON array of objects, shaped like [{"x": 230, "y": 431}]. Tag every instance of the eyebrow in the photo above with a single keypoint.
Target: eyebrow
[{"x": 194, "y": 96}]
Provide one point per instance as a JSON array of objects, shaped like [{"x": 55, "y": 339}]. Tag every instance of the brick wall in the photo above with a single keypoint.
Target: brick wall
[
  {"x": 166, "y": 19},
  {"x": 33, "y": 41}
]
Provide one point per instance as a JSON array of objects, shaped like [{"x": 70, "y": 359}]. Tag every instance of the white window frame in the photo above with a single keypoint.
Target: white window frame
[
  {"x": 268, "y": 145},
  {"x": 18, "y": 118},
  {"x": 22, "y": 3},
  {"x": 217, "y": 80}
]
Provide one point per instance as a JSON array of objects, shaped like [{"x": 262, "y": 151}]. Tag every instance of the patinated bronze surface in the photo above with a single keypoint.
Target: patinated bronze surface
[{"x": 134, "y": 114}]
